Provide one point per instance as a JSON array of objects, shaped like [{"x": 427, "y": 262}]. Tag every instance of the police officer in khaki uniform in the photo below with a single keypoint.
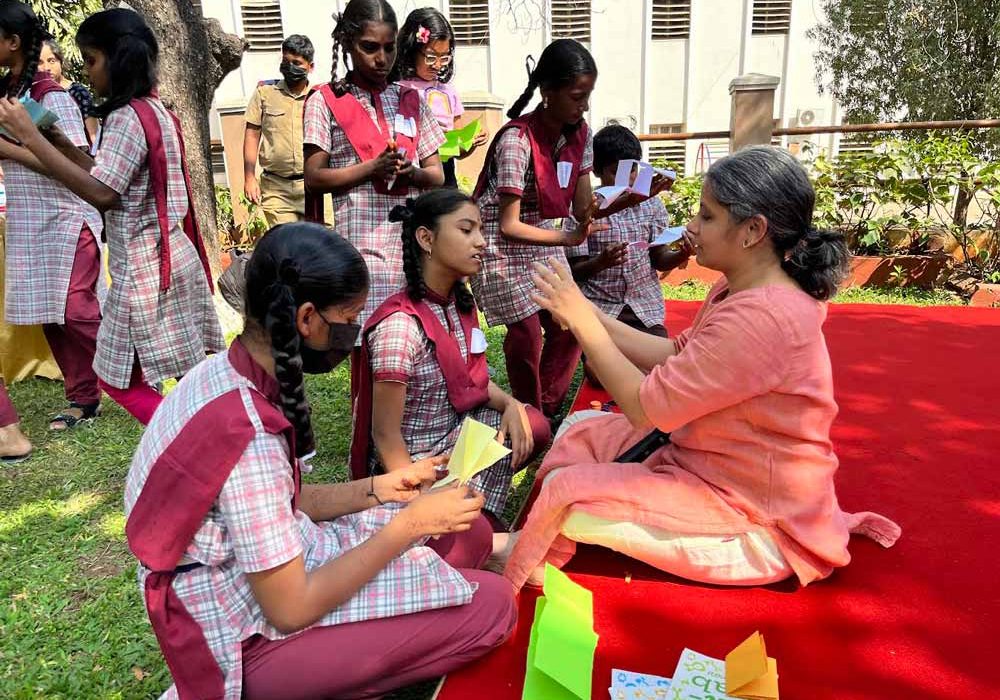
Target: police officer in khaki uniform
[{"x": 274, "y": 133}]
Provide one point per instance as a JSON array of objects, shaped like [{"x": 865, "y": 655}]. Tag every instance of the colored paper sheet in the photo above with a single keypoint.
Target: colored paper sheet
[
  {"x": 458, "y": 141},
  {"x": 476, "y": 449},
  {"x": 41, "y": 117},
  {"x": 562, "y": 644},
  {"x": 698, "y": 676},
  {"x": 750, "y": 673},
  {"x": 668, "y": 236},
  {"x": 628, "y": 685}
]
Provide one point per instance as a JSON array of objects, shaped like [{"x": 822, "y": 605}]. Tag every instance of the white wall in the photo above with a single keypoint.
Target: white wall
[{"x": 642, "y": 82}]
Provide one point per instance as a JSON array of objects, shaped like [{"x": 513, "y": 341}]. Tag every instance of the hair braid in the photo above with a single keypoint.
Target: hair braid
[
  {"x": 521, "y": 102},
  {"x": 32, "y": 54},
  {"x": 463, "y": 297},
  {"x": 279, "y": 321},
  {"x": 413, "y": 268},
  {"x": 337, "y": 85}
]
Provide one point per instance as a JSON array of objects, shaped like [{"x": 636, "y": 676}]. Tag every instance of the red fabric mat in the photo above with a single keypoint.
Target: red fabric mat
[{"x": 918, "y": 436}]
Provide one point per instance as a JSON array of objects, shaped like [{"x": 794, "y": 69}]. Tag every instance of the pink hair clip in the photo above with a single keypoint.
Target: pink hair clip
[{"x": 423, "y": 35}]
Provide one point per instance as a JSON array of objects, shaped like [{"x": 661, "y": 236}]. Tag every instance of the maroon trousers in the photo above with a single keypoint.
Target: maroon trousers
[
  {"x": 369, "y": 659},
  {"x": 540, "y": 367},
  {"x": 8, "y": 414},
  {"x": 74, "y": 343}
]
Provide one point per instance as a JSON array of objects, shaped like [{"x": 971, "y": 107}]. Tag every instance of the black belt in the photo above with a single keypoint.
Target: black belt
[{"x": 290, "y": 178}]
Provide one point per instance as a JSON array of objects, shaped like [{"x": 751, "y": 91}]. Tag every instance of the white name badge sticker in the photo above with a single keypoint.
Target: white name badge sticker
[
  {"x": 478, "y": 342},
  {"x": 563, "y": 171},
  {"x": 406, "y": 126}
]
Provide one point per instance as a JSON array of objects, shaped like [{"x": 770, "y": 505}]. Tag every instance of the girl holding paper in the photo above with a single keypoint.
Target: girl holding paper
[
  {"x": 743, "y": 493},
  {"x": 260, "y": 586},
  {"x": 369, "y": 142},
  {"x": 424, "y": 357},
  {"x": 537, "y": 169},
  {"x": 53, "y": 259},
  {"x": 159, "y": 318},
  {"x": 427, "y": 64}
]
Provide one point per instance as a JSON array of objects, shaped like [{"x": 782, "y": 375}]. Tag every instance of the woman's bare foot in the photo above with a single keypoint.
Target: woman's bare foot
[
  {"x": 537, "y": 578},
  {"x": 14, "y": 445},
  {"x": 503, "y": 545}
]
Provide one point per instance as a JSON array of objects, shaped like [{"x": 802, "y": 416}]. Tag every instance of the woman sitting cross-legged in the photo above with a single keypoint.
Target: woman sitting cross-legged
[
  {"x": 258, "y": 586},
  {"x": 423, "y": 368},
  {"x": 743, "y": 493}
]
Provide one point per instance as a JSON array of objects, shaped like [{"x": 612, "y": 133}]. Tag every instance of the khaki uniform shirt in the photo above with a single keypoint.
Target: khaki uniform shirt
[{"x": 278, "y": 113}]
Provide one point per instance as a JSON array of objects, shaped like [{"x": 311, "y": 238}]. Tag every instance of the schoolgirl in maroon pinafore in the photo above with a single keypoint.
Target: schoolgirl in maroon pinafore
[
  {"x": 260, "y": 586},
  {"x": 159, "y": 318},
  {"x": 537, "y": 171},
  {"x": 423, "y": 369},
  {"x": 52, "y": 256},
  {"x": 369, "y": 143}
]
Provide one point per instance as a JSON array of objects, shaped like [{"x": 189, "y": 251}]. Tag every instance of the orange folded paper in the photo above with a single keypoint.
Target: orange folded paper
[{"x": 750, "y": 673}]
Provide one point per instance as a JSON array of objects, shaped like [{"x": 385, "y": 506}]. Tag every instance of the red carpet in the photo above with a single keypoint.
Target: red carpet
[{"x": 918, "y": 437}]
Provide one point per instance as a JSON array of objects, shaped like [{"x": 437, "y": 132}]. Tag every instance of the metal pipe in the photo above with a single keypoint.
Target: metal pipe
[{"x": 836, "y": 129}]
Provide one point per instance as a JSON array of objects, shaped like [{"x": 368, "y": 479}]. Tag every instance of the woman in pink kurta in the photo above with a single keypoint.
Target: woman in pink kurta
[{"x": 743, "y": 493}]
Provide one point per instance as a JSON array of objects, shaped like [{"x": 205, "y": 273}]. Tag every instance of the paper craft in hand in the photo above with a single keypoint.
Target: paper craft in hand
[
  {"x": 624, "y": 183},
  {"x": 669, "y": 236},
  {"x": 477, "y": 449},
  {"x": 609, "y": 195},
  {"x": 562, "y": 643},
  {"x": 40, "y": 117},
  {"x": 626, "y": 685},
  {"x": 457, "y": 141},
  {"x": 666, "y": 172},
  {"x": 750, "y": 673}
]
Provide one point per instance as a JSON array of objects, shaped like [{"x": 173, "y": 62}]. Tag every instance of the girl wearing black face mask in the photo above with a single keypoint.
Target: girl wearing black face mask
[{"x": 223, "y": 454}]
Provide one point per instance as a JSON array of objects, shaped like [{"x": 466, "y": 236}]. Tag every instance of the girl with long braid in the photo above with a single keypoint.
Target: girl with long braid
[
  {"x": 537, "y": 170},
  {"x": 159, "y": 318},
  {"x": 259, "y": 586},
  {"x": 423, "y": 366},
  {"x": 370, "y": 143},
  {"x": 52, "y": 256}
]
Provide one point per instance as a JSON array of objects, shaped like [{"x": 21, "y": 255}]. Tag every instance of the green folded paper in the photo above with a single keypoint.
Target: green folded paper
[
  {"x": 457, "y": 141},
  {"x": 562, "y": 643}
]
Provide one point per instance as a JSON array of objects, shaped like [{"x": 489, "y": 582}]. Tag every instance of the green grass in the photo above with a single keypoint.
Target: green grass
[
  {"x": 693, "y": 290},
  {"x": 72, "y": 623}
]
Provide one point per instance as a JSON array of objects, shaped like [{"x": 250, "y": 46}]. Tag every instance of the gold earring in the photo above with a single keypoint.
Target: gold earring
[
  {"x": 545, "y": 103},
  {"x": 746, "y": 244}
]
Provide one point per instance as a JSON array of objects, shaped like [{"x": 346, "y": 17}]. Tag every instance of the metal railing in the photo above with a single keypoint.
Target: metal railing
[{"x": 835, "y": 129}]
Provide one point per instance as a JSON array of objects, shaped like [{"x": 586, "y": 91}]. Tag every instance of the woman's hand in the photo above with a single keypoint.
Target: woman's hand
[
  {"x": 514, "y": 424},
  {"x": 560, "y": 296},
  {"x": 442, "y": 511},
  {"x": 15, "y": 119},
  {"x": 404, "y": 485}
]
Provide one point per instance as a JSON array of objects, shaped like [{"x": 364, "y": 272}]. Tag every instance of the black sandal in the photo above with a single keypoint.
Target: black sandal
[
  {"x": 88, "y": 413},
  {"x": 15, "y": 459}
]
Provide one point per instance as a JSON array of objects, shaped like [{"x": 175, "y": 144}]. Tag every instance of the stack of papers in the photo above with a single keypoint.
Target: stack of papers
[
  {"x": 42, "y": 118},
  {"x": 477, "y": 449},
  {"x": 644, "y": 173},
  {"x": 457, "y": 141},
  {"x": 746, "y": 674},
  {"x": 563, "y": 641}
]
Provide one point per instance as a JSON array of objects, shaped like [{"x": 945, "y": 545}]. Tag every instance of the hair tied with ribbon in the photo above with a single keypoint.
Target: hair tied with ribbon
[
  {"x": 288, "y": 272},
  {"x": 423, "y": 34},
  {"x": 403, "y": 213}
]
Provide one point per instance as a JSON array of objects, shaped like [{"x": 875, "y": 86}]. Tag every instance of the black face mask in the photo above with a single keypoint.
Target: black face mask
[
  {"x": 341, "y": 342},
  {"x": 293, "y": 73}
]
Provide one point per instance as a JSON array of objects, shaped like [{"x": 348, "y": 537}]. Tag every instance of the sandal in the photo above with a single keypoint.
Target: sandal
[
  {"x": 15, "y": 459},
  {"x": 88, "y": 412}
]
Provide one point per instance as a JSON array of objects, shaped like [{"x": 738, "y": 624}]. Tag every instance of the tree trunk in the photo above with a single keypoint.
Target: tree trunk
[
  {"x": 195, "y": 55},
  {"x": 963, "y": 198}
]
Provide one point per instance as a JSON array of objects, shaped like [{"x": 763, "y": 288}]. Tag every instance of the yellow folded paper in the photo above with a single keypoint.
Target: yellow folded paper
[
  {"x": 477, "y": 449},
  {"x": 750, "y": 673}
]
